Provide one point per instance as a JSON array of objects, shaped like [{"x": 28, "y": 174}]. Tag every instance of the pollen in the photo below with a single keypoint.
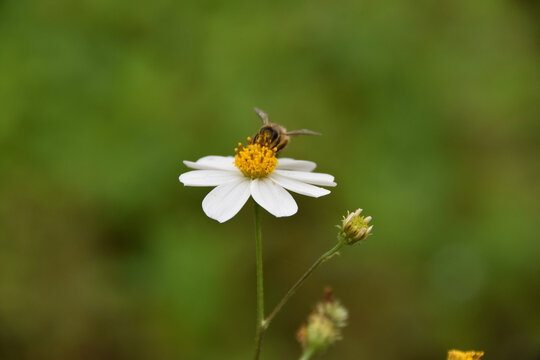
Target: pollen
[{"x": 255, "y": 160}]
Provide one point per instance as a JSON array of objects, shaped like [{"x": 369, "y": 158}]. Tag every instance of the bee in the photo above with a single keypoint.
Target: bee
[{"x": 274, "y": 135}]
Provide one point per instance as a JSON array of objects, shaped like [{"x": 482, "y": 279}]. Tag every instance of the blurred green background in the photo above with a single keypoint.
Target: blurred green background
[{"x": 430, "y": 114}]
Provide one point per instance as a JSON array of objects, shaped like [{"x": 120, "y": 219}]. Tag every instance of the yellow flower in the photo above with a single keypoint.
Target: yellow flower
[{"x": 464, "y": 355}]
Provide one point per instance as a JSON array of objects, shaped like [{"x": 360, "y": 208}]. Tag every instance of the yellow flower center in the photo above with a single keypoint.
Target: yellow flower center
[
  {"x": 255, "y": 160},
  {"x": 354, "y": 225}
]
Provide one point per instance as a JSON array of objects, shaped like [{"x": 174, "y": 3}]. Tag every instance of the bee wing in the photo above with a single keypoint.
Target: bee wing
[
  {"x": 302, "y": 132},
  {"x": 262, "y": 115}
]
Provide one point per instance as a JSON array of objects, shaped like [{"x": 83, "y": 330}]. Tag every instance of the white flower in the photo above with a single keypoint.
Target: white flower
[{"x": 255, "y": 171}]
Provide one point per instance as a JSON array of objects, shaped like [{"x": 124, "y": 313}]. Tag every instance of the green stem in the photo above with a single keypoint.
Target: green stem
[
  {"x": 306, "y": 355},
  {"x": 327, "y": 255},
  {"x": 260, "y": 289}
]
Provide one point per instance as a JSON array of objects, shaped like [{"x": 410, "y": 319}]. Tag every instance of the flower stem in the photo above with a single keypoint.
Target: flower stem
[
  {"x": 327, "y": 255},
  {"x": 306, "y": 355},
  {"x": 260, "y": 289}
]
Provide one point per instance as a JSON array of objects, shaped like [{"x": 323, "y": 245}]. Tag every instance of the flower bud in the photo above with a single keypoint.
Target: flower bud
[
  {"x": 333, "y": 309},
  {"x": 464, "y": 355},
  {"x": 335, "y": 312},
  {"x": 355, "y": 227},
  {"x": 324, "y": 325},
  {"x": 319, "y": 333}
]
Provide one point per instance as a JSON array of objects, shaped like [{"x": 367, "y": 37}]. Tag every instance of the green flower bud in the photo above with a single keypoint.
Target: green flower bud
[
  {"x": 355, "y": 227},
  {"x": 324, "y": 325},
  {"x": 335, "y": 312},
  {"x": 321, "y": 332}
]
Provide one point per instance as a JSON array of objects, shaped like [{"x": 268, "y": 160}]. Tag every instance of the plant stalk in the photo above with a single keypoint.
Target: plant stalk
[
  {"x": 260, "y": 288},
  {"x": 306, "y": 355},
  {"x": 324, "y": 257}
]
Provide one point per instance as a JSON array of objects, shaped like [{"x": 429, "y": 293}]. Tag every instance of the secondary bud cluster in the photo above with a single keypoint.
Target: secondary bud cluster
[
  {"x": 324, "y": 325},
  {"x": 355, "y": 227}
]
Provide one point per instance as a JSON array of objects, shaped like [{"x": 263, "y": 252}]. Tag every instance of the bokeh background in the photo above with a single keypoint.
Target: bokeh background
[{"x": 430, "y": 115}]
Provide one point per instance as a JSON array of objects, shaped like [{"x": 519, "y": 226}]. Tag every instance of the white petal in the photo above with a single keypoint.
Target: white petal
[
  {"x": 308, "y": 177},
  {"x": 273, "y": 198},
  {"x": 226, "y": 200},
  {"x": 209, "y": 177},
  {"x": 212, "y": 163},
  {"x": 292, "y": 164},
  {"x": 298, "y": 186}
]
